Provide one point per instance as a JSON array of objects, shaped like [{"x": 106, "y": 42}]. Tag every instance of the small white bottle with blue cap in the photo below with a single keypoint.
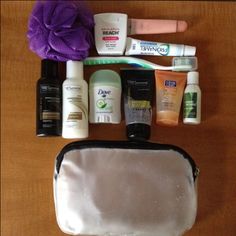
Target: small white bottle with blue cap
[{"x": 105, "y": 97}]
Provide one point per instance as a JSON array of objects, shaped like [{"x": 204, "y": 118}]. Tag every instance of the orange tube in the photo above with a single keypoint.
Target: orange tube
[{"x": 169, "y": 94}]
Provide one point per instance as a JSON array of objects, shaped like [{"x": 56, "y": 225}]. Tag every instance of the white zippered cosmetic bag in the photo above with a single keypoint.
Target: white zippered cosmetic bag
[{"x": 120, "y": 188}]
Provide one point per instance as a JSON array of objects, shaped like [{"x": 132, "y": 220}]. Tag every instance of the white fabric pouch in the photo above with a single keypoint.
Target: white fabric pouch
[{"x": 125, "y": 188}]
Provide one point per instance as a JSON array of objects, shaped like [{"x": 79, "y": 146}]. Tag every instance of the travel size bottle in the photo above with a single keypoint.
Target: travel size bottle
[
  {"x": 138, "y": 87},
  {"x": 75, "y": 102},
  {"x": 49, "y": 100},
  {"x": 192, "y": 100}
]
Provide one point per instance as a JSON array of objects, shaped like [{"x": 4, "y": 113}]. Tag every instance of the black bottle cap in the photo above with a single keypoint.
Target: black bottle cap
[
  {"x": 138, "y": 131},
  {"x": 49, "y": 68}
]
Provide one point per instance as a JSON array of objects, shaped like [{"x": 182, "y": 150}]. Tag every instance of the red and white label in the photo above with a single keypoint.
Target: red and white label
[{"x": 110, "y": 38}]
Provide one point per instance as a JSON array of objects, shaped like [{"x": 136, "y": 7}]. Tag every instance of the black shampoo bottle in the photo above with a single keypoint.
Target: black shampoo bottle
[{"x": 49, "y": 100}]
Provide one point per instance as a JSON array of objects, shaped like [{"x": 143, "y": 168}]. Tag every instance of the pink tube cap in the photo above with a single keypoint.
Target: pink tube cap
[{"x": 181, "y": 26}]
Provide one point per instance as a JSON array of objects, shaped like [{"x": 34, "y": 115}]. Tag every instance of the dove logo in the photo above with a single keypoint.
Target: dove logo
[{"x": 104, "y": 92}]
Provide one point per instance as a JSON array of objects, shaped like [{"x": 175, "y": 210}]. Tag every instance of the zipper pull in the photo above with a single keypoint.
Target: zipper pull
[{"x": 196, "y": 172}]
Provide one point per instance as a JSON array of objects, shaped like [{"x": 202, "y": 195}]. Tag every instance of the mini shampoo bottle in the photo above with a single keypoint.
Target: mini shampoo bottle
[
  {"x": 49, "y": 100},
  {"x": 75, "y": 102}
]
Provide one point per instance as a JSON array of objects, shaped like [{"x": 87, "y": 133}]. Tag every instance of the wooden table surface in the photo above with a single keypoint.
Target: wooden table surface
[{"x": 27, "y": 161}]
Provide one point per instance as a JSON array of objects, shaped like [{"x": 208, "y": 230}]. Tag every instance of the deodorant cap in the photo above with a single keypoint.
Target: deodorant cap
[
  {"x": 193, "y": 77},
  {"x": 105, "y": 77},
  {"x": 49, "y": 68},
  {"x": 74, "y": 69}
]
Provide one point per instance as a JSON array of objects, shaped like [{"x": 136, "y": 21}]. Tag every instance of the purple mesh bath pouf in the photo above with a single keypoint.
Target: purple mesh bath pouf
[{"x": 61, "y": 30}]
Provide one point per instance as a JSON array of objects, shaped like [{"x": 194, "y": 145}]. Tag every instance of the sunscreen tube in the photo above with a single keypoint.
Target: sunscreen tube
[
  {"x": 139, "y": 47},
  {"x": 169, "y": 93}
]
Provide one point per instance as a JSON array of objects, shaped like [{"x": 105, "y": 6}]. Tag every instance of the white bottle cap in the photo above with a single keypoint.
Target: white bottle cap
[
  {"x": 193, "y": 77},
  {"x": 189, "y": 50},
  {"x": 74, "y": 69}
]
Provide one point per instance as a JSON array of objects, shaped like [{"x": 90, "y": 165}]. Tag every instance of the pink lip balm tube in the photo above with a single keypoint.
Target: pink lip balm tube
[{"x": 146, "y": 26}]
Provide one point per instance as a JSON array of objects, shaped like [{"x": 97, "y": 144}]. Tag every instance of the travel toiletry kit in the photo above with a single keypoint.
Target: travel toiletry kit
[
  {"x": 124, "y": 188},
  {"x": 132, "y": 187}
]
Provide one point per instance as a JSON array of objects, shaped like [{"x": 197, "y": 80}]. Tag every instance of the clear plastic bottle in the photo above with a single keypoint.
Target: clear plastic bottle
[
  {"x": 75, "y": 102},
  {"x": 192, "y": 100}
]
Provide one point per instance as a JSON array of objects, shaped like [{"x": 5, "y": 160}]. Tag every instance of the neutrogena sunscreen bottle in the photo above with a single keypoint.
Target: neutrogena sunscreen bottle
[
  {"x": 105, "y": 97},
  {"x": 75, "y": 102}
]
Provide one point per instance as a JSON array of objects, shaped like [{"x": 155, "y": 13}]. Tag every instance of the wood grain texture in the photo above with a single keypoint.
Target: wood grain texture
[{"x": 27, "y": 161}]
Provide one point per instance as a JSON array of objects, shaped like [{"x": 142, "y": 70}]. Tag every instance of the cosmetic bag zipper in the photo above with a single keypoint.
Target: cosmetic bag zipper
[{"x": 79, "y": 145}]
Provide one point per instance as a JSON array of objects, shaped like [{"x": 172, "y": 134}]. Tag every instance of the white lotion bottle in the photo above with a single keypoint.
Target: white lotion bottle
[
  {"x": 75, "y": 102},
  {"x": 192, "y": 100}
]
